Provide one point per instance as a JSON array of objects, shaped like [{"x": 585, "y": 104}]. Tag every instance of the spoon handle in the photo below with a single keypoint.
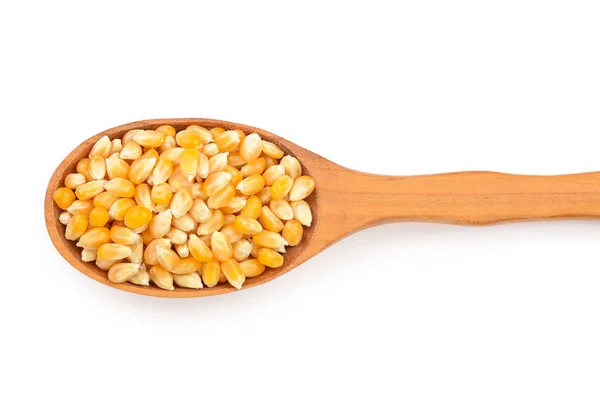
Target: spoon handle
[{"x": 469, "y": 198}]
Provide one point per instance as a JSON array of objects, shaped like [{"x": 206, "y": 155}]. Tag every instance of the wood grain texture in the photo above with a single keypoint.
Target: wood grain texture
[{"x": 347, "y": 201}]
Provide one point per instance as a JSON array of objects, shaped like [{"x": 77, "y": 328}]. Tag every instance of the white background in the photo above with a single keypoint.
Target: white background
[{"x": 409, "y": 311}]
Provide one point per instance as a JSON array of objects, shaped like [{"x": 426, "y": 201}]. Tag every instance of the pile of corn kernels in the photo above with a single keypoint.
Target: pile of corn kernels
[{"x": 194, "y": 207}]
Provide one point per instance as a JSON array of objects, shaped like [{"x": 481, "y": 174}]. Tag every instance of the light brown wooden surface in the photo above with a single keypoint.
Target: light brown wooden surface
[{"x": 346, "y": 201}]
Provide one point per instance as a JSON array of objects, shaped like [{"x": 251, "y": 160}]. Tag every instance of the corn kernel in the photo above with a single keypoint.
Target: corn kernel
[
  {"x": 94, "y": 238},
  {"x": 160, "y": 224},
  {"x": 169, "y": 143},
  {"x": 101, "y": 148},
  {"x": 167, "y": 130},
  {"x": 88, "y": 190},
  {"x": 104, "y": 200},
  {"x": 117, "y": 168},
  {"x": 83, "y": 207},
  {"x": 115, "y": 146},
  {"x": 247, "y": 225},
  {"x": 123, "y": 235},
  {"x": 147, "y": 138},
  {"x": 122, "y": 272},
  {"x": 282, "y": 209},
  {"x": 292, "y": 166},
  {"x": 215, "y": 183},
  {"x": 131, "y": 151},
  {"x": 215, "y": 132},
  {"x": 270, "y": 258},
  {"x": 63, "y": 197},
  {"x": 302, "y": 188},
  {"x": 142, "y": 278},
  {"x": 137, "y": 252},
  {"x": 64, "y": 217},
  {"x": 241, "y": 250},
  {"x": 179, "y": 181},
  {"x": 185, "y": 223},
  {"x": 273, "y": 173},
  {"x": 189, "y": 163},
  {"x": 232, "y": 271},
  {"x": 113, "y": 251},
  {"x": 292, "y": 232},
  {"x": 190, "y": 281},
  {"x": 174, "y": 155},
  {"x": 97, "y": 167},
  {"x": 74, "y": 180},
  {"x": 252, "y": 207},
  {"x": 167, "y": 259},
  {"x": 182, "y": 202},
  {"x": 217, "y": 163},
  {"x": 220, "y": 246},
  {"x": 252, "y": 268},
  {"x": 281, "y": 187},
  {"x": 210, "y": 149},
  {"x": 211, "y": 272},
  {"x": 251, "y": 185},
  {"x": 88, "y": 255},
  {"x": 128, "y": 136},
  {"x": 98, "y": 217},
  {"x": 76, "y": 227},
  {"x": 251, "y": 147},
  {"x": 269, "y": 161},
  {"x": 271, "y": 150},
  {"x": 120, "y": 187},
  {"x": 222, "y": 277},
  {"x": 235, "y": 160},
  {"x": 269, "y": 239},
  {"x": 198, "y": 249},
  {"x": 182, "y": 250},
  {"x": 83, "y": 168},
  {"x": 269, "y": 220},
  {"x": 161, "y": 194},
  {"x": 256, "y": 167},
  {"x": 150, "y": 257},
  {"x": 162, "y": 171},
  {"x": 119, "y": 208},
  {"x": 222, "y": 198},
  {"x": 232, "y": 234},
  {"x": 200, "y": 211},
  {"x": 227, "y": 141},
  {"x": 189, "y": 138},
  {"x": 137, "y": 217},
  {"x": 302, "y": 212},
  {"x": 141, "y": 169},
  {"x": 236, "y": 175},
  {"x": 161, "y": 277},
  {"x": 235, "y": 205}
]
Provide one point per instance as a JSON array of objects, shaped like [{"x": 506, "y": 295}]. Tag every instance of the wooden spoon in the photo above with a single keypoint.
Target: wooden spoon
[{"x": 347, "y": 201}]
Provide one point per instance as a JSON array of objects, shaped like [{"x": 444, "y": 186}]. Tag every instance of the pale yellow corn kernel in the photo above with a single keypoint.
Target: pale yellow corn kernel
[
  {"x": 252, "y": 268},
  {"x": 185, "y": 223},
  {"x": 203, "y": 167},
  {"x": 235, "y": 205},
  {"x": 115, "y": 146},
  {"x": 232, "y": 234},
  {"x": 251, "y": 185},
  {"x": 215, "y": 132},
  {"x": 150, "y": 257},
  {"x": 142, "y": 278},
  {"x": 173, "y": 154},
  {"x": 200, "y": 211},
  {"x": 83, "y": 207},
  {"x": 128, "y": 136},
  {"x": 119, "y": 208},
  {"x": 76, "y": 227},
  {"x": 122, "y": 272},
  {"x": 104, "y": 264},
  {"x": 220, "y": 246},
  {"x": 182, "y": 250},
  {"x": 273, "y": 173},
  {"x": 189, "y": 139},
  {"x": 113, "y": 251},
  {"x": 211, "y": 272},
  {"x": 97, "y": 167},
  {"x": 161, "y": 277},
  {"x": 161, "y": 194},
  {"x": 167, "y": 130},
  {"x": 64, "y": 197},
  {"x": 160, "y": 224},
  {"x": 123, "y": 235},
  {"x": 302, "y": 188},
  {"x": 146, "y": 236},
  {"x": 82, "y": 168},
  {"x": 216, "y": 182},
  {"x": 88, "y": 190},
  {"x": 235, "y": 160},
  {"x": 217, "y": 163},
  {"x": 137, "y": 252},
  {"x": 210, "y": 149},
  {"x": 251, "y": 147},
  {"x": 236, "y": 175},
  {"x": 270, "y": 161},
  {"x": 256, "y": 167},
  {"x": 181, "y": 202},
  {"x": 229, "y": 218},
  {"x": 117, "y": 168},
  {"x": 241, "y": 250},
  {"x": 292, "y": 232},
  {"x": 162, "y": 171},
  {"x": 203, "y": 132},
  {"x": 292, "y": 166},
  {"x": 143, "y": 197},
  {"x": 189, "y": 163},
  {"x": 141, "y": 169},
  {"x": 104, "y": 200},
  {"x": 131, "y": 151},
  {"x": 282, "y": 209},
  {"x": 269, "y": 239},
  {"x": 137, "y": 217},
  {"x": 179, "y": 181},
  {"x": 247, "y": 225},
  {"x": 269, "y": 220},
  {"x": 177, "y": 236},
  {"x": 271, "y": 150},
  {"x": 147, "y": 138},
  {"x": 74, "y": 180},
  {"x": 120, "y": 187},
  {"x": 101, "y": 148},
  {"x": 222, "y": 198},
  {"x": 198, "y": 249},
  {"x": 98, "y": 217},
  {"x": 264, "y": 195},
  {"x": 270, "y": 258},
  {"x": 168, "y": 144},
  {"x": 232, "y": 271},
  {"x": 281, "y": 187},
  {"x": 88, "y": 255},
  {"x": 302, "y": 212},
  {"x": 215, "y": 223},
  {"x": 191, "y": 281},
  {"x": 64, "y": 217},
  {"x": 252, "y": 207},
  {"x": 167, "y": 258},
  {"x": 227, "y": 141}
]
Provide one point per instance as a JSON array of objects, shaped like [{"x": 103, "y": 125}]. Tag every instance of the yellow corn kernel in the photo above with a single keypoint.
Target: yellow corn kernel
[
  {"x": 185, "y": 223},
  {"x": 269, "y": 220},
  {"x": 203, "y": 132},
  {"x": 217, "y": 163},
  {"x": 252, "y": 208},
  {"x": 247, "y": 225},
  {"x": 167, "y": 258},
  {"x": 120, "y": 187},
  {"x": 251, "y": 147},
  {"x": 101, "y": 148},
  {"x": 181, "y": 203},
  {"x": 271, "y": 150},
  {"x": 222, "y": 198},
  {"x": 137, "y": 251},
  {"x": 173, "y": 154},
  {"x": 64, "y": 217},
  {"x": 130, "y": 151},
  {"x": 220, "y": 246},
  {"x": 88, "y": 190},
  {"x": 161, "y": 172},
  {"x": 74, "y": 180},
  {"x": 119, "y": 208},
  {"x": 104, "y": 200},
  {"x": 273, "y": 173},
  {"x": 211, "y": 272},
  {"x": 179, "y": 181},
  {"x": 222, "y": 277},
  {"x": 210, "y": 149},
  {"x": 117, "y": 168},
  {"x": 123, "y": 235},
  {"x": 63, "y": 197},
  {"x": 137, "y": 217},
  {"x": 241, "y": 136},
  {"x": 198, "y": 249},
  {"x": 98, "y": 217},
  {"x": 146, "y": 236},
  {"x": 234, "y": 274},
  {"x": 161, "y": 277},
  {"x": 232, "y": 234},
  {"x": 142, "y": 278},
  {"x": 227, "y": 141},
  {"x": 122, "y": 272},
  {"x": 176, "y": 236},
  {"x": 189, "y": 138},
  {"x": 115, "y": 146},
  {"x": 282, "y": 209},
  {"x": 168, "y": 144},
  {"x": 292, "y": 232},
  {"x": 292, "y": 166},
  {"x": 128, "y": 136},
  {"x": 235, "y": 205},
  {"x": 235, "y": 160},
  {"x": 161, "y": 194},
  {"x": 203, "y": 166},
  {"x": 76, "y": 227},
  {"x": 150, "y": 256},
  {"x": 241, "y": 250},
  {"x": 190, "y": 281},
  {"x": 256, "y": 167},
  {"x": 160, "y": 224},
  {"x": 236, "y": 175},
  {"x": 94, "y": 238},
  {"x": 270, "y": 258},
  {"x": 147, "y": 138},
  {"x": 269, "y": 240},
  {"x": 113, "y": 251},
  {"x": 83, "y": 207},
  {"x": 167, "y": 130},
  {"x": 302, "y": 212},
  {"x": 141, "y": 169},
  {"x": 187, "y": 265},
  {"x": 97, "y": 167},
  {"x": 270, "y": 161},
  {"x": 251, "y": 185},
  {"x": 252, "y": 268},
  {"x": 88, "y": 255},
  {"x": 213, "y": 224},
  {"x": 216, "y": 182},
  {"x": 302, "y": 188},
  {"x": 281, "y": 187},
  {"x": 216, "y": 131},
  {"x": 189, "y": 163},
  {"x": 83, "y": 168},
  {"x": 200, "y": 211}
]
